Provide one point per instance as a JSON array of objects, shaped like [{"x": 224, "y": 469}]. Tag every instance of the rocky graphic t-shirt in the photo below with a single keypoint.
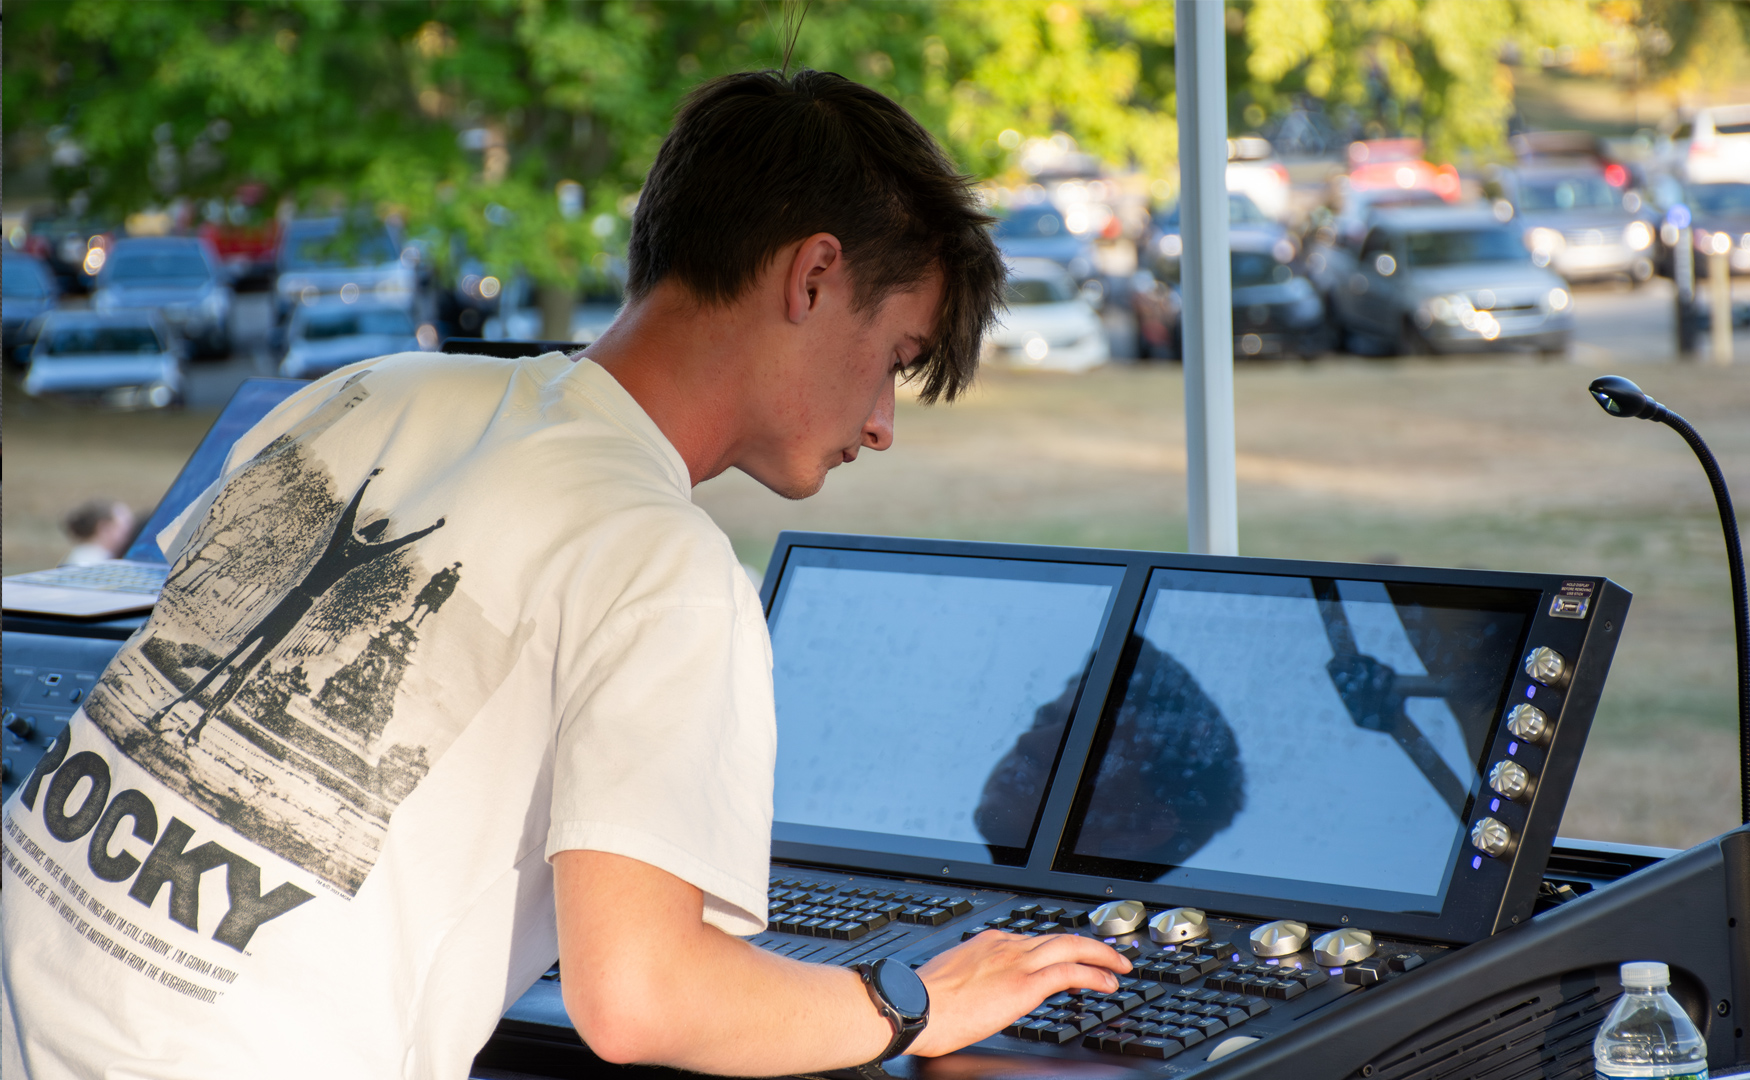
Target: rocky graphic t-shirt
[{"x": 441, "y": 618}]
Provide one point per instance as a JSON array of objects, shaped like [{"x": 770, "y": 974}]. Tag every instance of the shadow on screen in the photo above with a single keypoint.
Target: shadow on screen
[{"x": 1169, "y": 779}]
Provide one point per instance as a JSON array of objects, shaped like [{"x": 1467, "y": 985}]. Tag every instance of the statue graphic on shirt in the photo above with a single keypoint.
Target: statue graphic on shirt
[{"x": 348, "y": 550}]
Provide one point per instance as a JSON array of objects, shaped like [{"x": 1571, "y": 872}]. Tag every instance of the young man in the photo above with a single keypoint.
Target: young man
[{"x": 450, "y": 674}]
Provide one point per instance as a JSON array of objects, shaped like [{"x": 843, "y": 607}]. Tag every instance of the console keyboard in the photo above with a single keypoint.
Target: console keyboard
[{"x": 847, "y": 912}]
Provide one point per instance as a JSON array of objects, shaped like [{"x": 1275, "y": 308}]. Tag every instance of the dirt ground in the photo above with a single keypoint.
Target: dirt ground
[{"x": 1497, "y": 463}]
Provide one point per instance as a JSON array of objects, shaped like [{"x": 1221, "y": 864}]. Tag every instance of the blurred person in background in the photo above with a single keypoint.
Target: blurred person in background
[{"x": 101, "y": 530}]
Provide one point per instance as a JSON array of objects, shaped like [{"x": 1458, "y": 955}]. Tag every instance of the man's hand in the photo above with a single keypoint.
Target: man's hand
[{"x": 979, "y": 987}]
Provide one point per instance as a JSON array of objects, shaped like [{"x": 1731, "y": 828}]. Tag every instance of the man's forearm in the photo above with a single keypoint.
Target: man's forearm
[{"x": 665, "y": 988}]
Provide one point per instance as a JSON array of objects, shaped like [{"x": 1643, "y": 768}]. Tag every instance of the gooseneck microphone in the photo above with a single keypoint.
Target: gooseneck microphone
[{"x": 1619, "y": 397}]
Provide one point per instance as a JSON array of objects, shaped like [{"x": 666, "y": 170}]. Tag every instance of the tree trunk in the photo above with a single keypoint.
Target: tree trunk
[{"x": 557, "y": 304}]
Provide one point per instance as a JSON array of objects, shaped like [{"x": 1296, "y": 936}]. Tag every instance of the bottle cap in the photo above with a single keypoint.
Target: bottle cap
[{"x": 1645, "y": 975}]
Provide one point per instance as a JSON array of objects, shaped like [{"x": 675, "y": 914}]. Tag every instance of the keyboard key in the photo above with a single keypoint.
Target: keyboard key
[
  {"x": 934, "y": 916},
  {"x": 1233, "y": 1017},
  {"x": 1048, "y": 914},
  {"x": 1032, "y": 1032},
  {"x": 1151, "y": 991},
  {"x": 1059, "y": 1034},
  {"x": 1074, "y": 917},
  {"x": 1311, "y": 977},
  {"x": 1020, "y": 926},
  {"x": 1085, "y": 1021},
  {"x": 1282, "y": 989},
  {"x": 1024, "y": 911},
  {"x": 1187, "y": 1036},
  {"x": 1404, "y": 962},
  {"x": 1050, "y": 928},
  {"x": 1255, "y": 1007},
  {"x": 1115, "y": 1042},
  {"x": 1130, "y": 950},
  {"x": 1208, "y": 1025},
  {"x": 1151, "y": 1046},
  {"x": 1058, "y": 1001},
  {"x": 959, "y": 905}
]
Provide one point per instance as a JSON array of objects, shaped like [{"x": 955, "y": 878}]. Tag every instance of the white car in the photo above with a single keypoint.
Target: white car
[
  {"x": 1048, "y": 324},
  {"x": 124, "y": 359},
  {"x": 326, "y": 338},
  {"x": 1719, "y": 145}
]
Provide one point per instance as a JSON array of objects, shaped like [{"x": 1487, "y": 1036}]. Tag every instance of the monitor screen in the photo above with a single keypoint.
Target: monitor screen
[
  {"x": 254, "y": 399},
  {"x": 1301, "y": 737},
  {"x": 923, "y": 700}
]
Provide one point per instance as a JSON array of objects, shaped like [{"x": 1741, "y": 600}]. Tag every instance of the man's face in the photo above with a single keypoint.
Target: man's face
[{"x": 833, "y": 396}]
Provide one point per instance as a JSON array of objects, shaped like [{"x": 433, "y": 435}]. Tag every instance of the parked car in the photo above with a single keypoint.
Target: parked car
[
  {"x": 1048, "y": 324},
  {"x": 323, "y": 338},
  {"x": 340, "y": 260},
  {"x": 1276, "y": 310},
  {"x": 1245, "y": 220},
  {"x": 30, "y": 292},
  {"x": 1719, "y": 145},
  {"x": 74, "y": 248},
  {"x": 1720, "y": 210},
  {"x": 1447, "y": 281},
  {"x": 176, "y": 276},
  {"x": 519, "y": 312},
  {"x": 1577, "y": 223},
  {"x": 1335, "y": 246},
  {"x": 1252, "y": 170},
  {"x": 1039, "y": 231},
  {"x": 126, "y": 359},
  {"x": 1398, "y": 163}
]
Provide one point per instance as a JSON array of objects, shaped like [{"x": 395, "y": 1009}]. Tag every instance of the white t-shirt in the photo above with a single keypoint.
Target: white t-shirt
[{"x": 443, "y": 617}]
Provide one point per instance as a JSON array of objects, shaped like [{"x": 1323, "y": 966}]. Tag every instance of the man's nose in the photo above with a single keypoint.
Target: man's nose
[{"x": 878, "y": 428}]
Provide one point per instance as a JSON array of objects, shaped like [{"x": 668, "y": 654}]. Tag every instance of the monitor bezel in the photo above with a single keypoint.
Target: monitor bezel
[{"x": 1475, "y": 903}]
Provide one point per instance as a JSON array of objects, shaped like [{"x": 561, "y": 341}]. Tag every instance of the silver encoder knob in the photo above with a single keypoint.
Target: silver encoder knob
[
  {"x": 1546, "y": 666},
  {"x": 1178, "y": 924},
  {"x": 1340, "y": 948},
  {"x": 1279, "y": 938},
  {"x": 1509, "y": 778},
  {"x": 1117, "y": 917},
  {"x": 1528, "y": 722},
  {"x": 1491, "y": 837}
]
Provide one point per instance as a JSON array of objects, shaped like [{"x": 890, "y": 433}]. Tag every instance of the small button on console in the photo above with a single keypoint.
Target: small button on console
[{"x": 1279, "y": 938}]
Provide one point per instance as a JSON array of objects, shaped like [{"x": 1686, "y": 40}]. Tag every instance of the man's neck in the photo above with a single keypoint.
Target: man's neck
[{"x": 685, "y": 365}]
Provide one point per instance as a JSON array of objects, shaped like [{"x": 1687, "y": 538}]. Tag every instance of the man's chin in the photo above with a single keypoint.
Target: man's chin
[{"x": 791, "y": 487}]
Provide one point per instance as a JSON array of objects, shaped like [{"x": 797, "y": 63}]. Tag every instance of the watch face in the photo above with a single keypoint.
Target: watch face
[{"x": 902, "y": 988}]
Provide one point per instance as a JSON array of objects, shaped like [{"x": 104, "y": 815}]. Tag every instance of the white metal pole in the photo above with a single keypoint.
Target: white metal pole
[{"x": 1206, "y": 285}]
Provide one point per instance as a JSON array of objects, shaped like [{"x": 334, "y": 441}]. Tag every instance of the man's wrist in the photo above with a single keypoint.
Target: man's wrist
[{"x": 901, "y": 998}]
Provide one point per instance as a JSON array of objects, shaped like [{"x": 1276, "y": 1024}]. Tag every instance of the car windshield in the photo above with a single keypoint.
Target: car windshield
[
  {"x": 162, "y": 266},
  {"x": 1568, "y": 193},
  {"x": 1258, "y": 268},
  {"x": 81, "y": 340},
  {"x": 1721, "y": 198},
  {"x": 21, "y": 280},
  {"x": 1451, "y": 248},
  {"x": 1053, "y": 290},
  {"x": 1030, "y": 224},
  {"x": 314, "y": 248},
  {"x": 1241, "y": 210},
  {"x": 336, "y": 324}
]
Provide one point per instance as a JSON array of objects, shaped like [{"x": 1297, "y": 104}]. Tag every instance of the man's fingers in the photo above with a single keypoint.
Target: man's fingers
[
  {"x": 1071, "y": 976},
  {"x": 1058, "y": 948}
]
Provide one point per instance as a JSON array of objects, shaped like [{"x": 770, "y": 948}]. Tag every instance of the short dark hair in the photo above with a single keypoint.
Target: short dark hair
[
  {"x": 88, "y": 517},
  {"x": 757, "y": 161}
]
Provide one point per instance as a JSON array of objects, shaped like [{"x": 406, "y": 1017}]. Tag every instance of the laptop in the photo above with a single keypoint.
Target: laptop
[{"x": 132, "y": 583}]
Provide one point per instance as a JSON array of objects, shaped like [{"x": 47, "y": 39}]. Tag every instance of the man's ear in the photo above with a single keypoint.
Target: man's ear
[{"x": 818, "y": 261}]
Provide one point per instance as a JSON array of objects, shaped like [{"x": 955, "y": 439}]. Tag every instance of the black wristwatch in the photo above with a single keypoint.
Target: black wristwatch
[{"x": 901, "y": 997}]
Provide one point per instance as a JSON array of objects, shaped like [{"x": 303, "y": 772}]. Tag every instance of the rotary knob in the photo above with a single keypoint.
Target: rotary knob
[
  {"x": 22, "y": 726},
  {"x": 1546, "y": 666},
  {"x": 1279, "y": 938},
  {"x": 1528, "y": 722},
  {"x": 1491, "y": 837},
  {"x": 1117, "y": 917},
  {"x": 1509, "y": 778},
  {"x": 1340, "y": 948},
  {"x": 1178, "y": 924}
]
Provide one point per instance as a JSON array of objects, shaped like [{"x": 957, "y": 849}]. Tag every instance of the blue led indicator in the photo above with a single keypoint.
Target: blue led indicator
[
  {"x": 1494, "y": 805},
  {"x": 1336, "y": 971},
  {"x": 1273, "y": 961},
  {"x": 1236, "y": 958},
  {"x": 1530, "y": 692},
  {"x": 1476, "y": 862},
  {"x": 1512, "y": 748}
]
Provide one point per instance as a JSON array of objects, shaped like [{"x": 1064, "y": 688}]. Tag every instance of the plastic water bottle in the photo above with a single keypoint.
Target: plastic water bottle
[{"x": 1648, "y": 1033}]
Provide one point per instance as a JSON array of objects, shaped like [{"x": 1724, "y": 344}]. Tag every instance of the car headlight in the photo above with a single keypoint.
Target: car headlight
[
  {"x": 1452, "y": 309},
  {"x": 1639, "y": 235},
  {"x": 1557, "y": 299},
  {"x": 1545, "y": 241},
  {"x": 213, "y": 304}
]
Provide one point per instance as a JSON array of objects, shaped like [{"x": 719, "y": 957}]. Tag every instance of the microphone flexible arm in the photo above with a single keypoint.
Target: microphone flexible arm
[{"x": 1619, "y": 397}]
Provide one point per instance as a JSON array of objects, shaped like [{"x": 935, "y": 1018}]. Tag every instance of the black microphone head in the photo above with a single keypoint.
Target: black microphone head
[{"x": 1619, "y": 397}]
